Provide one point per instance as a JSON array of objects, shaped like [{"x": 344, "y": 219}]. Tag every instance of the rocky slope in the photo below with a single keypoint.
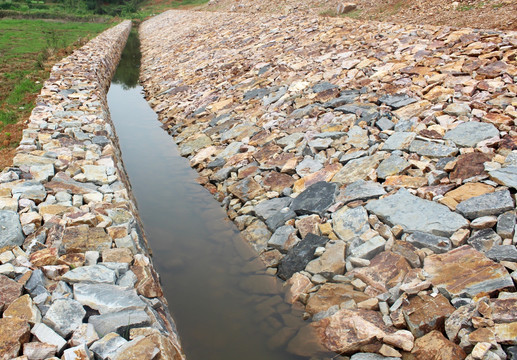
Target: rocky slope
[
  {"x": 76, "y": 281},
  {"x": 373, "y": 167}
]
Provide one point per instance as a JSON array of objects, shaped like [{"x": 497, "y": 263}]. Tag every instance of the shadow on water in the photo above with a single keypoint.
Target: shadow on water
[{"x": 225, "y": 306}]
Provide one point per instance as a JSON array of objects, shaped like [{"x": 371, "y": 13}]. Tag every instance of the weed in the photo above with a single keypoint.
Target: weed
[{"x": 353, "y": 14}]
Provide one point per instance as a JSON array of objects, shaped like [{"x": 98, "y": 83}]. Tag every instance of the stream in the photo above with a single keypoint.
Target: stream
[{"x": 224, "y": 304}]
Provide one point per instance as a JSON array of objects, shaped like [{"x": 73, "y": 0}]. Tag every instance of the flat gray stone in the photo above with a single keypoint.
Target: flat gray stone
[
  {"x": 119, "y": 322},
  {"x": 320, "y": 144},
  {"x": 371, "y": 356},
  {"x": 10, "y": 229},
  {"x": 488, "y": 204},
  {"x": 108, "y": 298},
  {"x": 316, "y": 199},
  {"x": 369, "y": 248},
  {"x": 506, "y": 224},
  {"x": 300, "y": 255},
  {"x": 280, "y": 237},
  {"x": 290, "y": 141},
  {"x": 393, "y": 165},
  {"x": 484, "y": 240},
  {"x": 350, "y": 223},
  {"x": 91, "y": 275},
  {"x": 361, "y": 190},
  {"x": 416, "y": 214},
  {"x": 308, "y": 166},
  {"x": 268, "y": 208},
  {"x": 64, "y": 316},
  {"x": 431, "y": 149},
  {"x": 323, "y": 86},
  {"x": 468, "y": 134},
  {"x": 357, "y": 137},
  {"x": 399, "y": 141},
  {"x": 505, "y": 176},
  {"x": 358, "y": 169},
  {"x": 385, "y": 124},
  {"x": 502, "y": 253},
  {"x": 32, "y": 190},
  {"x": 397, "y": 101},
  {"x": 107, "y": 347},
  {"x": 279, "y": 218},
  {"x": 438, "y": 244},
  {"x": 46, "y": 335},
  {"x": 352, "y": 155}
]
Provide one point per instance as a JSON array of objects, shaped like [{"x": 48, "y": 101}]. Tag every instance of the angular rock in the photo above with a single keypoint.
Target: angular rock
[
  {"x": 316, "y": 199},
  {"x": 10, "y": 229},
  {"x": 438, "y": 244},
  {"x": 357, "y": 169},
  {"x": 466, "y": 272},
  {"x": 331, "y": 262},
  {"x": 416, "y": 214},
  {"x": 64, "y": 316},
  {"x": 369, "y": 248},
  {"x": 79, "y": 352},
  {"x": 108, "y": 346},
  {"x": 83, "y": 238},
  {"x": 46, "y": 335},
  {"x": 489, "y": 204},
  {"x": 24, "y": 309},
  {"x": 13, "y": 333},
  {"x": 107, "y": 298},
  {"x": 37, "y": 350},
  {"x": 469, "y": 165},
  {"x": 119, "y": 322},
  {"x": 434, "y": 346},
  {"x": 506, "y": 224},
  {"x": 299, "y": 256},
  {"x": 424, "y": 313},
  {"x": 268, "y": 208},
  {"x": 393, "y": 165},
  {"x": 331, "y": 294},
  {"x": 32, "y": 190},
  {"x": 246, "y": 189},
  {"x": 470, "y": 133},
  {"x": 506, "y": 176},
  {"x": 502, "y": 253},
  {"x": 257, "y": 235},
  {"x": 10, "y": 290},
  {"x": 361, "y": 190},
  {"x": 399, "y": 141},
  {"x": 431, "y": 149},
  {"x": 90, "y": 274},
  {"x": 84, "y": 334},
  {"x": 280, "y": 239},
  {"x": 139, "y": 348},
  {"x": 297, "y": 285},
  {"x": 484, "y": 240},
  {"x": 469, "y": 190},
  {"x": 350, "y": 223}
]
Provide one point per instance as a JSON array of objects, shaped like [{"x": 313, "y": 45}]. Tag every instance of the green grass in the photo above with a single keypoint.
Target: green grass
[{"x": 26, "y": 46}]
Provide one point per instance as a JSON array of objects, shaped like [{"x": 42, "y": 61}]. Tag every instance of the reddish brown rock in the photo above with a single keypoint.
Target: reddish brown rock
[
  {"x": 435, "y": 346},
  {"x": 13, "y": 334},
  {"x": 147, "y": 284},
  {"x": 308, "y": 224},
  {"x": 424, "y": 313},
  {"x": 266, "y": 153},
  {"x": 279, "y": 161},
  {"x": 325, "y": 174},
  {"x": 385, "y": 270},
  {"x": 469, "y": 165},
  {"x": 72, "y": 260},
  {"x": 277, "y": 181},
  {"x": 331, "y": 294},
  {"x": 469, "y": 190},
  {"x": 246, "y": 189},
  {"x": 44, "y": 257},
  {"x": 297, "y": 285},
  {"x": 83, "y": 238},
  {"x": 398, "y": 181},
  {"x": 10, "y": 290},
  {"x": 498, "y": 119},
  {"x": 24, "y": 309},
  {"x": 466, "y": 272},
  {"x": 503, "y": 310}
]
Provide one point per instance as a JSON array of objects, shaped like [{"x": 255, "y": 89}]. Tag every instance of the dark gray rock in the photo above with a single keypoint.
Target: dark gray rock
[
  {"x": 488, "y": 204},
  {"x": 361, "y": 190},
  {"x": 468, "y": 134},
  {"x": 10, "y": 229},
  {"x": 340, "y": 101},
  {"x": 100, "y": 140},
  {"x": 255, "y": 94},
  {"x": 119, "y": 322},
  {"x": 484, "y": 240},
  {"x": 304, "y": 111},
  {"x": 506, "y": 224},
  {"x": 316, "y": 199},
  {"x": 279, "y": 218},
  {"x": 352, "y": 155},
  {"x": 64, "y": 316},
  {"x": 438, "y": 244},
  {"x": 416, "y": 214},
  {"x": 323, "y": 86},
  {"x": 216, "y": 163},
  {"x": 107, "y": 298},
  {"x": 511, "y": 352},
  {"x": 268, "y": 208},
  {"x": 37, "y": 278},
  {"x": 397, "y": 101},
  {"x": 502, "y": 253},
  {"x": 385, "y": 124},
  {"x": 440, "y": 164},
  {"x": 431, "y": 149},
  {"x": 399, "y": 141},
  {"x": 280, "y": 237},
  {"x": 505, "y": 176},
  {"x": 300, "y": 255}
]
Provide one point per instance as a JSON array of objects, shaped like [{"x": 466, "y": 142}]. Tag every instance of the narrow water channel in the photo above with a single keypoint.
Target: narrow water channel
[{"x": 224, "y": 304}]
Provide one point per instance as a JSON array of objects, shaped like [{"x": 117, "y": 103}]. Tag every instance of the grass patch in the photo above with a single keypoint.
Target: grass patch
[
  {"x": 353, "y": 14},
  {"x": 28, "y": 48}
]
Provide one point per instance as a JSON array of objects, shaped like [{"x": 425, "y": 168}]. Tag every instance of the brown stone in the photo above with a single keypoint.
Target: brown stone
[
  {"x": 271, "y": 258},
  {"x": 498, "y": 119},
  {"x": 434, "y": 346},
  {"x": 38, "y": 350},
  {"x": 147, "y": 284},
  {"x": 469, "y": 165},
  {"x": 73, "y": 260},
  {"x": 325, "y": 174},
  {"x": 466, "y": 271},
  {"x": 246, "y": 189},
  {"x": 504, "y": 310},
  {"x": 13, "y": 334},
  {"x": 308, "y": 224},
  {"x": 44, "y": 257},
  {"x": 469, "y": 190},
  {"x": 267, "y": 152},
  {"x": 296, "y": 286},
  {"x": 10, "y": 290},
  {"x": 140, "y": 348},
  {"x": 83, "y": 238},
  {"x": 506, "y": 333},
  {"x": 331, "y": 294},
  {"x": 424, "y": 313},
  {"x": 407, "y": 250},
  {"x": 24, "y": 309},
  {"x": 121, "y": 255},
  {"x": 387, "y": 268},
  {"x": 277, "y": 181},
  {"x": 398, "y": 181}
]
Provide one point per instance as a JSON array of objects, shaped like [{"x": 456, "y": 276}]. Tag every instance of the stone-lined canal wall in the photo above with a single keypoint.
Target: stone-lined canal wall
[
  {"x": 373, "y": 166},
  {"x": 76, "y": 278}
]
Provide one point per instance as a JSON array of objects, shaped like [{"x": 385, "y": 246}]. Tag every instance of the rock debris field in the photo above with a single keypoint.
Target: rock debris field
[
  {"x": 372, "y": 166},
  {"x": 76, "y": 280}
]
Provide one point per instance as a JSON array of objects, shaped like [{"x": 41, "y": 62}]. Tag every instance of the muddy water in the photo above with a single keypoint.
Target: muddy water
[{"x": 224, "y": 304}]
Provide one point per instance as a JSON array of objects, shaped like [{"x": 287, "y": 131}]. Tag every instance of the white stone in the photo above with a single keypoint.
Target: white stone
[{"x": 45, "y": 334}]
